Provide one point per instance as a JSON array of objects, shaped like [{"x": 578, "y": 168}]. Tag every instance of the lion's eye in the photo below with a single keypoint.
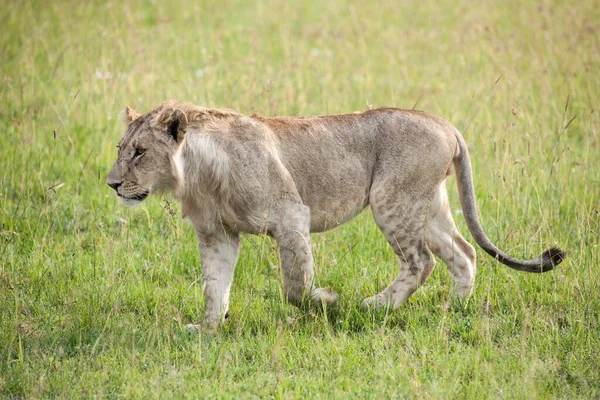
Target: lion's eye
[{"x": 138, "y": 153}]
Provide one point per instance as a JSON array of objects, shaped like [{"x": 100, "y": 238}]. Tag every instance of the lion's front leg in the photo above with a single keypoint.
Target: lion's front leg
[
  {"x": 218, "y": 253},
  {"x": 292, "y": 232}
]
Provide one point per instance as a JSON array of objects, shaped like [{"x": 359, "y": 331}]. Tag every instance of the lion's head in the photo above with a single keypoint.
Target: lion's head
[{"x": 145, "y": 160}]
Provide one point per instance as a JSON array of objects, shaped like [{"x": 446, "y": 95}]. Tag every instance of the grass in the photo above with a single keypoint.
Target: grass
[{"x": 94, "y": 296}]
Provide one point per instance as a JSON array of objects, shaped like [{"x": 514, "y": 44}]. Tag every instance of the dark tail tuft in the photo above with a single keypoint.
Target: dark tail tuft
[{"x": 551, "y": 258}]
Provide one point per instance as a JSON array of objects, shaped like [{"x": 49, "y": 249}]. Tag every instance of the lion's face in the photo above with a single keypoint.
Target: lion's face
[{"x": 144, "y": 163}]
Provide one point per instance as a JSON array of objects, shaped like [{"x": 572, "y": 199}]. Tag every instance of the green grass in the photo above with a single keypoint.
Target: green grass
[{"x": 94, "y": 296}]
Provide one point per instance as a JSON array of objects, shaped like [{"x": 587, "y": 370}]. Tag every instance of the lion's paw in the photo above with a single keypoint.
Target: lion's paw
[
  {"x": 375, "y": 303},
  {"x": 324, "y": 297},
  {"x": 205, "y": 327}
]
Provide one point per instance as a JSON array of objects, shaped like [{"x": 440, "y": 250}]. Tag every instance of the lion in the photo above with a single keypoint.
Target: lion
[{"x": 289, "y": 176}]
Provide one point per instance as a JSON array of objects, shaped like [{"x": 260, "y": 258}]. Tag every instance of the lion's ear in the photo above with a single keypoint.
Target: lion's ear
[
  {"x": 128, "y": 115},
  {"x": 174, "y": 121}
]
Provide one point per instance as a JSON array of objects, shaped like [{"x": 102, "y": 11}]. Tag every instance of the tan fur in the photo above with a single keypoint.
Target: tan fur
[{"x": 289, "y": 176}]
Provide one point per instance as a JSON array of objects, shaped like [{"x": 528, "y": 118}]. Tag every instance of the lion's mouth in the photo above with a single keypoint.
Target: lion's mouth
[{"x": 137, "y": 197}]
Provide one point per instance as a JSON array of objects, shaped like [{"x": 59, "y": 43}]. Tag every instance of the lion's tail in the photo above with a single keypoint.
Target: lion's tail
[{"x": 464, "y": 176}]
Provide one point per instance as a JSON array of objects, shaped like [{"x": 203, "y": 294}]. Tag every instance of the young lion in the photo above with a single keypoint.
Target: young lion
[{"x": 289, "y": 176}]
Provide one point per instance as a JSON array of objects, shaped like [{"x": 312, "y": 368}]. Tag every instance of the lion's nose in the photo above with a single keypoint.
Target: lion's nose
[{"x": 114, "y": 185}]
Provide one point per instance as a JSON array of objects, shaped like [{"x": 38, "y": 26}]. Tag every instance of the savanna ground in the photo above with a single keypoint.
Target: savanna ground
[{"x": 94, "y": 297}]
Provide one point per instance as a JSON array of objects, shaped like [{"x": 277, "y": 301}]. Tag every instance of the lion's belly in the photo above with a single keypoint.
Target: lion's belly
[
  {"x": 334, "y": 187},
  {"x": 340, "y": 212},
  {"x": 335, "y": 200}
]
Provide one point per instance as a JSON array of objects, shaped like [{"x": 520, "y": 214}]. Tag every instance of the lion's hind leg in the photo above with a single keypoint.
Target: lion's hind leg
[
  {"x": 402, "y": 221},
  {"x": 447, "y": 243}
]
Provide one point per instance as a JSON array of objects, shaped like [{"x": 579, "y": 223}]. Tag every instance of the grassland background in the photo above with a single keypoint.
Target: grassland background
[{"x": 94, "y": 297}]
